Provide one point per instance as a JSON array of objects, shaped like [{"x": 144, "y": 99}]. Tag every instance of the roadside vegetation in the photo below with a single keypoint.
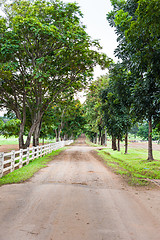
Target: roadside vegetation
[
  {"x": 127, "y": 98},
  {"x": 22, "y": 174},
  {"x": 133, "y": 166}
]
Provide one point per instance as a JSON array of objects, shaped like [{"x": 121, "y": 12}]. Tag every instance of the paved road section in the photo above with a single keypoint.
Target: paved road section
[{"x": 77, "y": 198}]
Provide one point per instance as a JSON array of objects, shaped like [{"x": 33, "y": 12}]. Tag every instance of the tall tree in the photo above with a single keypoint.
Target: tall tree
[
  {"x": 116, "y": 106},
  {"x": 95, "y": 127},
  {"x": 44, "y": 51},
  {"x": 138, "y": 37}
]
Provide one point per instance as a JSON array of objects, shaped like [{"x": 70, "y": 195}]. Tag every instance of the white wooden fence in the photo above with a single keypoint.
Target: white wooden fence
[{"x": 16, "y": 159}]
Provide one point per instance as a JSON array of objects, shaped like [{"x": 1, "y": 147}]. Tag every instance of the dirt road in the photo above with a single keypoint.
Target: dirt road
[{"x": 77, "y": 198}]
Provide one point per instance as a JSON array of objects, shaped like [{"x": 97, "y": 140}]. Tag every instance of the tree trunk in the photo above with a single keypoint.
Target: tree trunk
[
  {"x": 96, "y": 135},
  {"x": 59, "y": 133},
  {"x": 114, "y": 147},
  {"x": 28, "y": 140},
  {"x": 103, "y": 139},
  {"x": 126, "y": 143},
  {"x": 36, "y": 134},
  {"x": 150, "y": 150},
  {"x": 118, "y": 144},
  {"x": 56, "y": 135},
  {"x": 22, "y": 125},
  {"x": 99, "y": 137},
  {"x": 21, "y": 132}
]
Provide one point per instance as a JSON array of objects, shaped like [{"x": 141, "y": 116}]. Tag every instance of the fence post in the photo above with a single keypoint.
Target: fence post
[
  {"x": 37, "y": 153},
  {"x": 21, "y": 158},
  {"x": 47, "y": 149},
  {"x": 12, "y": 160},
  {"x": 40, "y": 151},
  {"x": 1, "y": 164},
  {"x": 27, "y": 155},
  {"x": 33, "y": 153}
]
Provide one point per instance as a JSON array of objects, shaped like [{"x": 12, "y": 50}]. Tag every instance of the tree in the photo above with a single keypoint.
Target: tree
[
  {"x": 44, "y": 51},
  {"x": 143, "y": 131},
  {"x": 64, "y": 120},
  {"x": 95, "y": 127},
  {"x": 11, "y": 128},
  {"x": 116, "y": 105},
  {"x": 138, "y": 36},
  {"x": 1, "y": 125},
  {"x": 147, "y": 48}
]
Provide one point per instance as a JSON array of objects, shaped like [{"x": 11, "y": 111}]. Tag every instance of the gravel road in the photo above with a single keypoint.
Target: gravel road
[{"x": 77, "y": 198}]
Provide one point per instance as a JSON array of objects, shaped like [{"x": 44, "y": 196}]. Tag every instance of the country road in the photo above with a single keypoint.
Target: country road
[{"x": 77, "y": 198}]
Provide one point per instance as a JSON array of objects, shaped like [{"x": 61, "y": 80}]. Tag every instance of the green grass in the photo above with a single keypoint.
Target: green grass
[
  {"x": 14, "y": 140},
  {"x": 133, "y": 165},
  {"x": 26, "y": 172},
  {"x": 6, "y": 141}
]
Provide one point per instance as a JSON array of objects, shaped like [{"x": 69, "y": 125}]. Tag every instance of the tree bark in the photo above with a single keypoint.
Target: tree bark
[
  {"x": 96, "y": 135},
  {"x": 21, "y": 132},
  {"x": 103, "y": 139},
  {"x": 99, "y": 137},
  {"x": 56, "y": 135},
  {"x": 118, "y": 144},
  {"x": 28, "y": 140},
  {"x": 150, "y": 150},
  {"x": 36, "y": 134},
  {"x": 59, "y": 133},
  {"x": 126, "y": 143},
  {"x": 114, "y": 146}
]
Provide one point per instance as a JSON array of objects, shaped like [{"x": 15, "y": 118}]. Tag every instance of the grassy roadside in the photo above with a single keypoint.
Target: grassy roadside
[
  {"x": 26, "y": 172},
  {"x": 133, "y": 165}
]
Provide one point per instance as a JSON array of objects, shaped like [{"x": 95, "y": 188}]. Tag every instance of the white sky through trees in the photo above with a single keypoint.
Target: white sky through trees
[
  {"x": 94, "y": 12},
  {"x": 94, "y": 19}
]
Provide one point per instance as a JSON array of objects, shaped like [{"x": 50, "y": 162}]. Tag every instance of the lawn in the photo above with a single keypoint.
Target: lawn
[
  {"x": 14, "y": 140},
  {"x": 133, "y": 165},
  {"x": 6, "y": 141}
]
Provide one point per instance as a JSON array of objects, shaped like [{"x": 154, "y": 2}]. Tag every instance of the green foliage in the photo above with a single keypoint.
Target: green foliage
[
  {"x": 11, "y": 128},
  {"x": 116, "y": 99},
  {"x": 143, "y": 131},
  {"x": 92, "y": 107},
  {"x": 44, "y": 52},
  {"x": 137, "y": 27},
  {"x": 133, "y": 165},
  {"x": 65, "y": 118},
  {"x": 1, "y": 125}
]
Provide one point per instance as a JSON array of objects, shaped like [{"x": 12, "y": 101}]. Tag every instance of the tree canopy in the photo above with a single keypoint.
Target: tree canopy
[
  {"x": 137, "y": 27},
  {"x": 44, "y": 53}
]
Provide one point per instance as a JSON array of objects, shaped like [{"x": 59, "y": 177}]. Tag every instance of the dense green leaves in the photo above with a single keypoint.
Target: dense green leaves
[
  {"x": 137, "y": 26},
  {"x": 45, "y": 52}
]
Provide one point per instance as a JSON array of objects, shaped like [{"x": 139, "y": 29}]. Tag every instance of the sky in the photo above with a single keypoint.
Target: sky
[{"x": 97, "y": 26}]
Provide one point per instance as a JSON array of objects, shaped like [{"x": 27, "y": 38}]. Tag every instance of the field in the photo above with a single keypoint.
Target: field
[
  {"x": 9, "y": 144},
  {"x": 134, "y": 166}
]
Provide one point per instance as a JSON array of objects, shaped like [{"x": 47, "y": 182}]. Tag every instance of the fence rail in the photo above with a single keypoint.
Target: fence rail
[{"x": 17, "y": 159}]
